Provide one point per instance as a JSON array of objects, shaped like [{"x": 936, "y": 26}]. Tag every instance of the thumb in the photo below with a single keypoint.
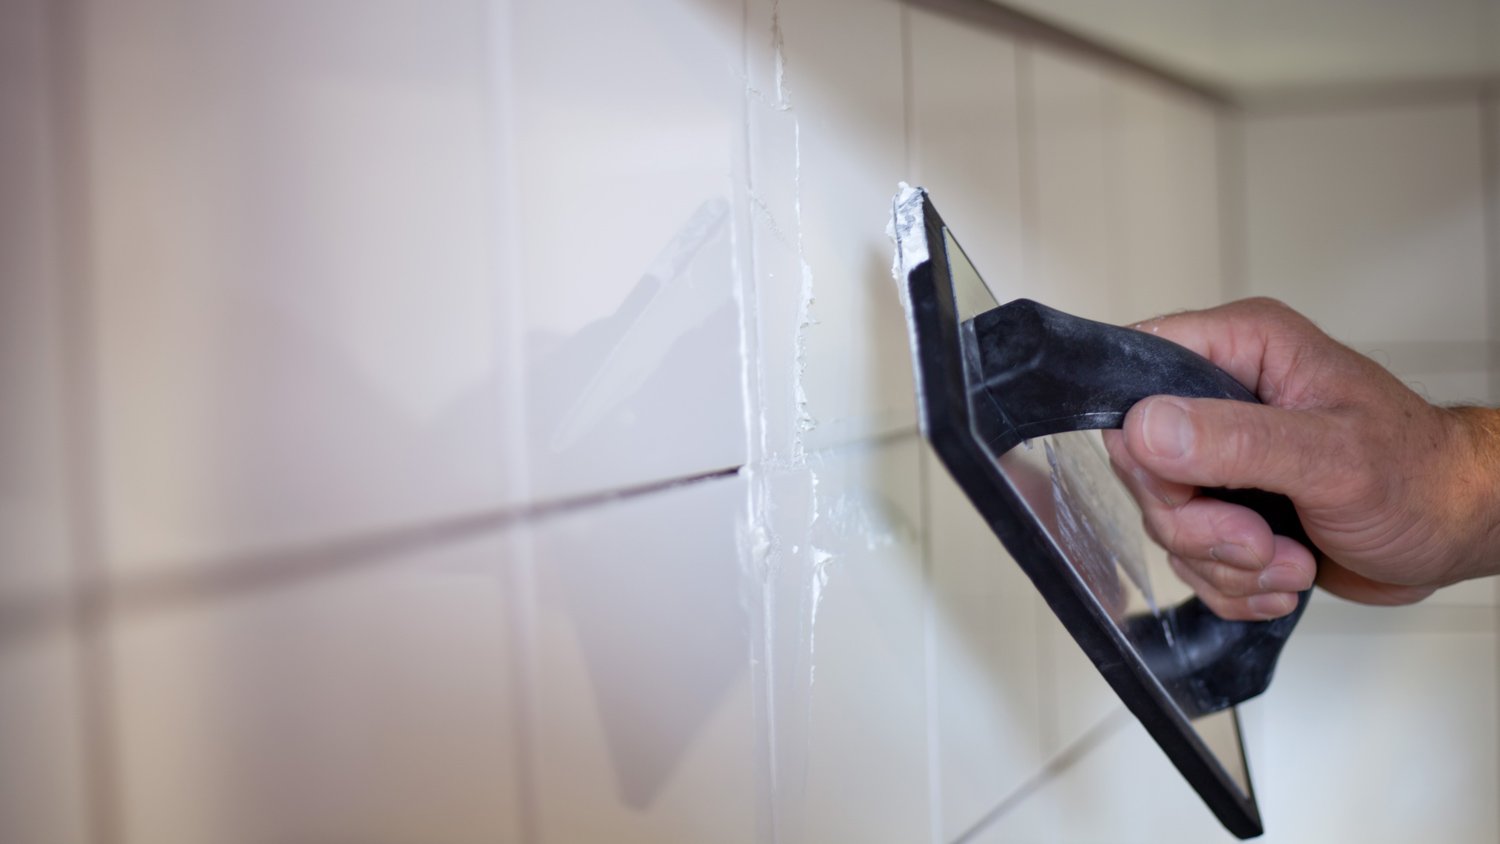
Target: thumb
[{"x": 1223, "y": 443}]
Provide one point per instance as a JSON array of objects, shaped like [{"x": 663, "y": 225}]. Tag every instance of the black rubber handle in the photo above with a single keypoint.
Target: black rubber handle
[{"x": 1047, "y": 372}]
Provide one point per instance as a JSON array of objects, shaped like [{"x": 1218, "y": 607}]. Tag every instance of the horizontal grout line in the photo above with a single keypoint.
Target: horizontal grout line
[
  {"x": 1025, "y": 25},
  {"x": 1065, "y": 759},
  {"x": 1327, "y": 618},
  {"x": 180, "y": 583},
  {"x": 1325, "y": 98},
  {"x": 189, "y": 582}
]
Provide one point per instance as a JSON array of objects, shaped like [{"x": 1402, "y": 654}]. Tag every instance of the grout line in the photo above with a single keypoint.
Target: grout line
[
  {"x": 1057, "y": 765},
  {"x": 1490, "y": 196},
  {"x": 518, "y": 579},
  {"x": 908, "y": 92},
  {"x": 1489, "y": 147},
  {"x": 180, "y": 582},
  {"x": 1025, "y": 132},
  {"x": 1346, "y": 97},
  {"x": 187, "y": 581},
  {"x": 930, "y": 652},
  {"x": 924, "y": 495},
  {"x": 1234, "y": 283},
  {"x": 1025, "y": 25},
  {"x": 89, "y": 608}
]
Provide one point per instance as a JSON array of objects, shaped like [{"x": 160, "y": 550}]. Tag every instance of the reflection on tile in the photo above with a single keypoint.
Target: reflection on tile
[
  {"x": 643, "y": 719},
  {"x": 1371, "y": 221},
  {"x": 966, "y": 141},
  {"x": 1380, "y": 738},
  {"x": 374, "y": 706},
  {"x": 1166, "y": 171},
  {"x": 292, "y": 254},
  {"x": 827, "y": 138},
  {"x": 987, "y": 678},
  {"x": 628, "y": 137}
]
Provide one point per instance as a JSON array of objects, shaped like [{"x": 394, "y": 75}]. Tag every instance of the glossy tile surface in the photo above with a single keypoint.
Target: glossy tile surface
[
  {"x": 641, "y": 715},
  {"x": 1371, "y": 221},
  {"x": 293, "y": 259},
  {"x": 827, "y": 139},
  {"x": 1167, "y": 181},
  {"x": 966, "y": 142},
  {"x": 1411, "y": 719},
  {"x": 1112, "y": 784},
  {"x": 627, "y": 136},
  {"x": 989, "y": 696},
  {"x": 311, "y": 701},
  {"x": 985, "y": 694},
  {"x": 43, "y": 796},
  {"x": 867, "y": 735},
  {"x": 1072, "y": 234}
]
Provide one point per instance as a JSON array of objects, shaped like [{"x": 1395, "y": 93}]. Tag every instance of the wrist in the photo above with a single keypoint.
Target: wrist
[{"x": 1474, "y": 489}]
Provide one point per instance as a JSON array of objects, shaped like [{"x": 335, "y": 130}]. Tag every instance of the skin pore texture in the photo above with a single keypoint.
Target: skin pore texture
[{"x": 1400, "y": 496}]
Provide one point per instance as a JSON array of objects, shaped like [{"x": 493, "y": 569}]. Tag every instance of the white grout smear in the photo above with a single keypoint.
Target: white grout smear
[
  {"x": 908, "y": 229},
  {"x": 805, "y": 320}
]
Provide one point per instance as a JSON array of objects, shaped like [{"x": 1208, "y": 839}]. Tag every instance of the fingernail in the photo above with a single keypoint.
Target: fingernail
[
  {"x": 1271, "y": 604},
  {"x": 1282, "y": 579},
  {"x": 1236, "y": 555},
  {"x": 1167, "y": 430}
]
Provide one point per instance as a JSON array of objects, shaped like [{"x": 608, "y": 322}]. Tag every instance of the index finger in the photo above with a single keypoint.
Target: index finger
[{"x": 1242, "y": 338}]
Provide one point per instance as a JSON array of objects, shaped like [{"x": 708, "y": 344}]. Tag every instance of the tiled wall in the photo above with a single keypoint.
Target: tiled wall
[{"x": 492, "y": 421}]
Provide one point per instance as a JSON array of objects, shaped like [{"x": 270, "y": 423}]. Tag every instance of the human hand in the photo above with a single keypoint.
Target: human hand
[{"x": 1401, "y": 496}]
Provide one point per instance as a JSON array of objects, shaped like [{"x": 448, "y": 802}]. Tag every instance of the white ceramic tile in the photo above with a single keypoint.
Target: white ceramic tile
[
  {"x": 987, "y": 694},
  {"x": 628, "y": 129},
  {"x": 641, "y": 703},
  {"x": 1468, "y": 388},
  {"x": 366, "y": 694},
  {"x": 867, "y": 740},
  {"x": 1379, "y": 737},
  {"x": 1370, "y": 221},
  {"x": 838, "y": 548},
  {"x": 1166, "y": 174},
  {"x": 42, "y": 790},
  {"x": 1073, "y": 227},
  {"x": 826, "y": 127},
  {"x": 966, "y": 143},
  {"x": 1118, "y": 787},
  {"x": 294, "y": 259},
  {"x": 1484, "y": 592},
  {"x": 1075, "y": 696}
]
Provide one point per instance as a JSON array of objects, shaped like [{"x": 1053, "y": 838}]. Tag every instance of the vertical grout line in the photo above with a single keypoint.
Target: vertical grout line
[
  {"x": 518, "y": 575},
  {"x": 908, "y": 92},
  {"x": 1490, "y": 176},
  {"x": 1233, "y": 215},
  {"x": 68, "y": 95},
  {"x": 1489, "y": 170},
  {"x": 755, "y": 546},
  {"x": 924, "y": 493},
  {"x": 1030, "y": 227},
  {"x": 1026, "y": 153}
]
